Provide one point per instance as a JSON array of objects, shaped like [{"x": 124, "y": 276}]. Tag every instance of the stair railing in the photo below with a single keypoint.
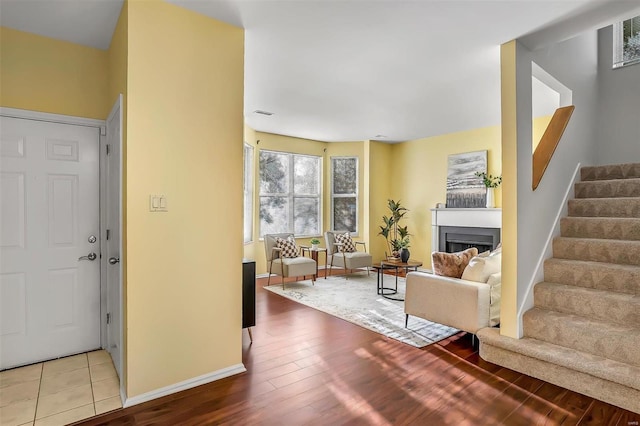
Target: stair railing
[{"x": 549, "y": 142}]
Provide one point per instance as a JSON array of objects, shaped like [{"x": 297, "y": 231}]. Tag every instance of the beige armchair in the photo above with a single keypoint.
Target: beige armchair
[
  {"x": 338, "y": 256},
  {"x": 299, "y": 266}
]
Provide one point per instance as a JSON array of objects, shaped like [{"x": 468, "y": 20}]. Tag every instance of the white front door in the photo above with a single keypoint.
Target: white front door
[{"x": 49, "y": 284}]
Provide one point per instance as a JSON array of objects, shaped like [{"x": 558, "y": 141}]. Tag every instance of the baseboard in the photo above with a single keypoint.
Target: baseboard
[{"x": 184, "y": 385}]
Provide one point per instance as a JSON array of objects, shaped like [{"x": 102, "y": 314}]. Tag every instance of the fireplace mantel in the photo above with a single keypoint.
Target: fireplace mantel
[{"x": 473, "y": 218}]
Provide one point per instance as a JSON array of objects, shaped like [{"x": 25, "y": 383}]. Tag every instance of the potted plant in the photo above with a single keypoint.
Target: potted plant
[
  {"x": 397, "y": 236},
  {"x": 491, "y": 183},
  {"x": 314, "y": 243}
]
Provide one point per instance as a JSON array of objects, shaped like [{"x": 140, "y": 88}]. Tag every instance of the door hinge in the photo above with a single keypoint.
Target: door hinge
[
  {"x": 108, "y": 233},
  {"x": 108, "y": 317},
  {"x": 108, "y": 149}
]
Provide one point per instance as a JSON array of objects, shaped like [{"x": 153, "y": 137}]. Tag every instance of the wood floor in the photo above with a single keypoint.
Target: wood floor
[{"x": 307, "y": 367}]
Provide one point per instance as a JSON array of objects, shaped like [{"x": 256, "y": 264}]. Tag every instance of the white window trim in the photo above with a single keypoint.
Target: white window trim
[
  {"x": 249, "y": 189},
  {"x": 291, "y": 196},
  {"x": 356, "y": 194},
  {"x": 618, "y": 47}
]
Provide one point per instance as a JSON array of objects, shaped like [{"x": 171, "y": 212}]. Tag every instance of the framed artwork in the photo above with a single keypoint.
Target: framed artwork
[{"x": 464, "y": 188}]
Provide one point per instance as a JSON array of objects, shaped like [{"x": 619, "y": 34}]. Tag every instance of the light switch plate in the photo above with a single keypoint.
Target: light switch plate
[{"x": 158, "y": 203}]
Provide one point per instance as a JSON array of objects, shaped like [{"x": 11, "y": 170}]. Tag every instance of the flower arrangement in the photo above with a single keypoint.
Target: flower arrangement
[{"x": 488, "y": 180}]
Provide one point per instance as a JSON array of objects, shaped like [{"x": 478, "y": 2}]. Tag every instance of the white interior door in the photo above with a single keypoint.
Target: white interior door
[
  {"x": 49, "y": 295},
  {"x": 112, "y": 226}
]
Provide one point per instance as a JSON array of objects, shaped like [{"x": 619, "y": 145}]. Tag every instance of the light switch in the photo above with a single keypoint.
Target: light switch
[{"x": 158, "y": 203}]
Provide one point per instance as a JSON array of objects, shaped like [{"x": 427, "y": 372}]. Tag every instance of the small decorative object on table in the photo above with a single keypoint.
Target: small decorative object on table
[
  {"x": 315, "y": 243},
  {"x": 491, "y": 183}
]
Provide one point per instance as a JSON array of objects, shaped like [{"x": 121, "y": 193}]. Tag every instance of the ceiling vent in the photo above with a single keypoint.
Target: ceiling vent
[
  {"x": 380, "y": 136},
  {"x": 259, "y": 111}
]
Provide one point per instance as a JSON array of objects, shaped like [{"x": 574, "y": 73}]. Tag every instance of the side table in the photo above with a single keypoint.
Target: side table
[
  {"x": 386, "y": 265},
  {"x": 313, "y": 252}
]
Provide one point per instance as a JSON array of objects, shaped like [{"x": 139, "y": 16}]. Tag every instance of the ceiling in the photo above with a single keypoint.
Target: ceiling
[{"x": 390, "y": 70}]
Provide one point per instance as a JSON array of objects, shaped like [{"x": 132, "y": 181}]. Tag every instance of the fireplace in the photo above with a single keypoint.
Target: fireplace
[
  {"x": 458, "y": 229},
  {"x": 458, "y": 238}
]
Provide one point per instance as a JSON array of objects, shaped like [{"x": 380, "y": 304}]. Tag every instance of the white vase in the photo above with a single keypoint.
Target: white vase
[
  {"x": 314, "y": 246},
  {"x": 490, "y": 198}
]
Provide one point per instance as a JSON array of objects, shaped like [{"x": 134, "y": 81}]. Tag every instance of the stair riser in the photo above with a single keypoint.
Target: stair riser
[
  {"x": 605, "y": 306},
  {"x": 617, "y": 343},
  {"x": 614, "y": 207},
  {"x": 607, "y": 228},
  {"x": 617, "y": 171},
  {"x": 608, "y": 251},
  {"x": 586, "y": 384},
  {"x": 608, "y": 188},
  {"x": 600, "y": 276}
]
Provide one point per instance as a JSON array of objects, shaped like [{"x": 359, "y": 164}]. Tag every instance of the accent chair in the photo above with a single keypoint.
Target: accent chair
[
  {"x": 349, "y": 258},
  {"x": 285, "y": 260}
]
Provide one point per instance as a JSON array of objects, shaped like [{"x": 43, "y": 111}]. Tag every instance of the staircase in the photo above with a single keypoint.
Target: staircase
[{"x": 583, "y": 332}]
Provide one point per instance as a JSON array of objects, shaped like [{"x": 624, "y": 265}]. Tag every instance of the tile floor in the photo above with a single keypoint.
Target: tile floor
[{"x": 59, "y": 392}]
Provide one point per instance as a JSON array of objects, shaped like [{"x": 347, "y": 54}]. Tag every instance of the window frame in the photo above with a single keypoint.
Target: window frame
[
  {"x": 291, "y": 196},
  {"x": 248, "y": 183},
  {"x": 618, "y": 45},
  {"x": 350, "y": 195}
]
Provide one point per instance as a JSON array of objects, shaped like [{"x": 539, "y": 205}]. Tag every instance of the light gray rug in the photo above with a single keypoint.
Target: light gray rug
[{"x": 355, "y": 300}]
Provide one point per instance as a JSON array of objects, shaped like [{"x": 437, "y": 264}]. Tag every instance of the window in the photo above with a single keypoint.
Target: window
[
  {"x": 248, "y": 193},
  {"x": 289, "y": 193},
  {"x": 344, "y": 194},
  {"x": 626, "y": 42}
]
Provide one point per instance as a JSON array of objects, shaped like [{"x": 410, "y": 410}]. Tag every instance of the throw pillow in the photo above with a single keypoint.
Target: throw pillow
[
  {"x": 287, "y": 247},
  {"x": 347, "y": 243},
  {"x": 481, "y": 267},
  {"x": 452, "y": 264}
]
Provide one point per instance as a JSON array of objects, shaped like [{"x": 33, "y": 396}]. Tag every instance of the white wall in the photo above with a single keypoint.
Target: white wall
[
  {"x": 573, "y": 63},
  {"x": 619, "y": 107}
]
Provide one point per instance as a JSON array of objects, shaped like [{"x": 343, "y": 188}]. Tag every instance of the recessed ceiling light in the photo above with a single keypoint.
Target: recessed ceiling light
[{"x": 259, "y": 111}]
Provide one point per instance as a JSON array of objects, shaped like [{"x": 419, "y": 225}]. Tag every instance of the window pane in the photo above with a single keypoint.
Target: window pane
[
  {"x": 305, "y": 215},
  {"x": 305, "y": 175},
  {"x": 344, "y": 214},
  {"x": 274, "y": 172},
  {"x": 344, "y": 175},
  {"x": 274, "y": 216}
]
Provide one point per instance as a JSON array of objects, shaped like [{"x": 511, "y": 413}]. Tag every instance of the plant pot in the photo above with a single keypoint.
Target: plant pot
[
  {"x": 490, "y": 198},
  {"x": 404, "y": 255},
  {"x": 315, "y": 246}
]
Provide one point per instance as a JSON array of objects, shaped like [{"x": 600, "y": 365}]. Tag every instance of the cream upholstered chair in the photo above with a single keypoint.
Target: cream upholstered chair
[
  {"x": 338, "y": 255},
  {"x": 281, "y": 264}
]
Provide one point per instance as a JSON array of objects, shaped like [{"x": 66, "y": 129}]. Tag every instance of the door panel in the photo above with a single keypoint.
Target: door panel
[{"x": 50, "y": 299}]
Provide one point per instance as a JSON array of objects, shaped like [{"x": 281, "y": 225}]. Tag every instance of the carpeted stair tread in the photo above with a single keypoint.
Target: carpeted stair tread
[
  {"x": 614, "y": 188},
  {"x": 614, "y": 171},
  {"x": 597, "y": 377},
  {"x": 597, "y": 250},
  {"x": 585, "y": 362},
  {"x": 603, "y": 276},
  {"x": 608, "y": 306},
  {"x": 615, "y": 228},
  {"x": 605, "y": 339},
  {"x": 605, "y": 207}
]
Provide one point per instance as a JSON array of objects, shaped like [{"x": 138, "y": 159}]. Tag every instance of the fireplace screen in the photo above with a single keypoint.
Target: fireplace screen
[{"x": 458, "y": 238}]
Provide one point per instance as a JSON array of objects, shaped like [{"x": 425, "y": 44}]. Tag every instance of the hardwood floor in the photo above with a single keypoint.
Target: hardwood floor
[{"x": 307, "y": 367}]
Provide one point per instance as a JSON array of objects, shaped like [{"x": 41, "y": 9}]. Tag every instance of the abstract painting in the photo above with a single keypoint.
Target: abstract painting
[{"x": 464, "y": 188}]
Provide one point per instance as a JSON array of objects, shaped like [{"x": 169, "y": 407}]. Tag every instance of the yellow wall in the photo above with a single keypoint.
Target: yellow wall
[
  {"x": 381, "y": 183},
  {"x": 184, "y": 107},
  {"x": 419, "y": 178},
  {"x": 42, "y": 74},
  {"x": 509, "y": 302}
]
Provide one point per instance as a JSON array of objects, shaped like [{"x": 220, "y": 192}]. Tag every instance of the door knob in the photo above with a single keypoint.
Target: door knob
[
  {"x": 90, "y": 256},
  {"x": 114, "y": 260}
]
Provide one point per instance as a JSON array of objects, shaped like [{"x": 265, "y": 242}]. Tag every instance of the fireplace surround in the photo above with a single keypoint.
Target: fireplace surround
[{"x": 457, "y": 229}]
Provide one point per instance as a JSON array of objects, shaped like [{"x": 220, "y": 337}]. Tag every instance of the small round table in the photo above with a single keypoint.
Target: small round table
[{"x": 389, "y": 265}]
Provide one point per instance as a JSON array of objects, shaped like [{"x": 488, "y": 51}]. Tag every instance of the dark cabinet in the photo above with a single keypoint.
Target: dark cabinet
[{"x": 248, "y": 293}]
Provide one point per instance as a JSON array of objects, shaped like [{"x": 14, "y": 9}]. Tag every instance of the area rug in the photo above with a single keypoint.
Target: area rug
[{"x": 354, "y": 299}]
